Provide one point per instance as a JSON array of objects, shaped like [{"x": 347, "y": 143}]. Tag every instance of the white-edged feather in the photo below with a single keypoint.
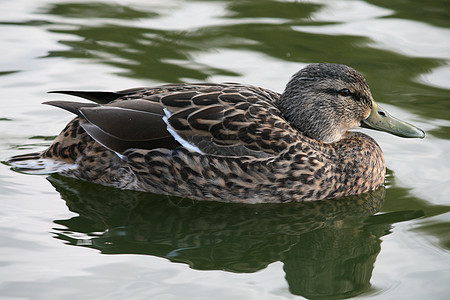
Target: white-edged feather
[{"x": 176, "y": 136}]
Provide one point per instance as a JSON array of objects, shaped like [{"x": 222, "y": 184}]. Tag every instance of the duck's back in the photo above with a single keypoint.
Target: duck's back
[{"x": 219, "y": 119}]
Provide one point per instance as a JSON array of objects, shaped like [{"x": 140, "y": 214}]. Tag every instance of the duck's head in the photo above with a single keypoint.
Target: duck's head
[{"x": 325, "y": 100}]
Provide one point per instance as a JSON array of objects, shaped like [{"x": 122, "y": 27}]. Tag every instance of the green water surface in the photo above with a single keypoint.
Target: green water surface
[{"x": 65, "y": 239}]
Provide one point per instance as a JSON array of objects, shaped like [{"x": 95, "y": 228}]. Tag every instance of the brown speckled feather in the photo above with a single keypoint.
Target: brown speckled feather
[
  {"x": 224, "y": 142},
  {"x": 298, "y": 173}
]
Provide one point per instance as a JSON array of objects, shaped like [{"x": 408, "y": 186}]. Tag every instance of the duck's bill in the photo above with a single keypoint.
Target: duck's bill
[{"x": 381, "y": 120}]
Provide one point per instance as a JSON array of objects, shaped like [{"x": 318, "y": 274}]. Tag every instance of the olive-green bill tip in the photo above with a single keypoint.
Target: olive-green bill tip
[{"x": 381, "y": 120}]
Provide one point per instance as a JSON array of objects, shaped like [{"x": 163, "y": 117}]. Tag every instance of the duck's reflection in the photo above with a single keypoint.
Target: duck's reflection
[{"x": 328, "y": 247}]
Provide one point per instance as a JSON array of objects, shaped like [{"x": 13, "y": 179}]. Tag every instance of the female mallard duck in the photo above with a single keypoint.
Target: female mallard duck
[{"x": 227, "y": 142}]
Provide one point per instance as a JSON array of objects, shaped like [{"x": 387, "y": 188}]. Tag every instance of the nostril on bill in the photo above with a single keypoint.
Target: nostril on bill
[{"x": 382, "y": 113}]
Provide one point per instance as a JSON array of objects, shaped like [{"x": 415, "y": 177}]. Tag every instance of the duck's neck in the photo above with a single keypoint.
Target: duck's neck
[{"x": 309, "y": 117}]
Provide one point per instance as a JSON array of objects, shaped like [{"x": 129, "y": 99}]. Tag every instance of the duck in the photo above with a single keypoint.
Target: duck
[{"x": 227, "y": 142}]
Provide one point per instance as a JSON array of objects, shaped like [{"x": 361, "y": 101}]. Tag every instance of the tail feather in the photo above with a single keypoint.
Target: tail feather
[
  {"x": 100, "y": 97},
  {"x": 36, "y": 164},
  {"x": 21, "y": 157}
]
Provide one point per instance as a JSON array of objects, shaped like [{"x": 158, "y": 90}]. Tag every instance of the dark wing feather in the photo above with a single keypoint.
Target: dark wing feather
[
  {"x": 128, "y": 124},
  {"x": 73, "y": 107},
  {"x": 120, "y": 145},
  {"x": 123, "y": 125}
]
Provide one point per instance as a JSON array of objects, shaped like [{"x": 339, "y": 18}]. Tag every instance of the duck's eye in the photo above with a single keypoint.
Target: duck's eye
[{"x": 345, "y": 92}]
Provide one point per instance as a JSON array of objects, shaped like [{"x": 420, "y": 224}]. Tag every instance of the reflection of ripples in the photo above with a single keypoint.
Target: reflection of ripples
[
  {"x": 328, "y": 247},
  {"x": 69, "y": 44},
  {"x": 156, "y": 41}
]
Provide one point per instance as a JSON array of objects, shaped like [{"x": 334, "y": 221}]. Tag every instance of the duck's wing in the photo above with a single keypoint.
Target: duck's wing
[
  {"x": 227, "y": 119},
  {"x": 232, "y": 119}
]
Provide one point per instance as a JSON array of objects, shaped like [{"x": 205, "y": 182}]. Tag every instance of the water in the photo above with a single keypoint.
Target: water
[{"x": 58, "y": 236}]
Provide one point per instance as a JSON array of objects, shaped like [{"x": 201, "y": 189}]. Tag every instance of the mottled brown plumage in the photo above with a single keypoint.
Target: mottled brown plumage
[{"x": 227, "y": 142}]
